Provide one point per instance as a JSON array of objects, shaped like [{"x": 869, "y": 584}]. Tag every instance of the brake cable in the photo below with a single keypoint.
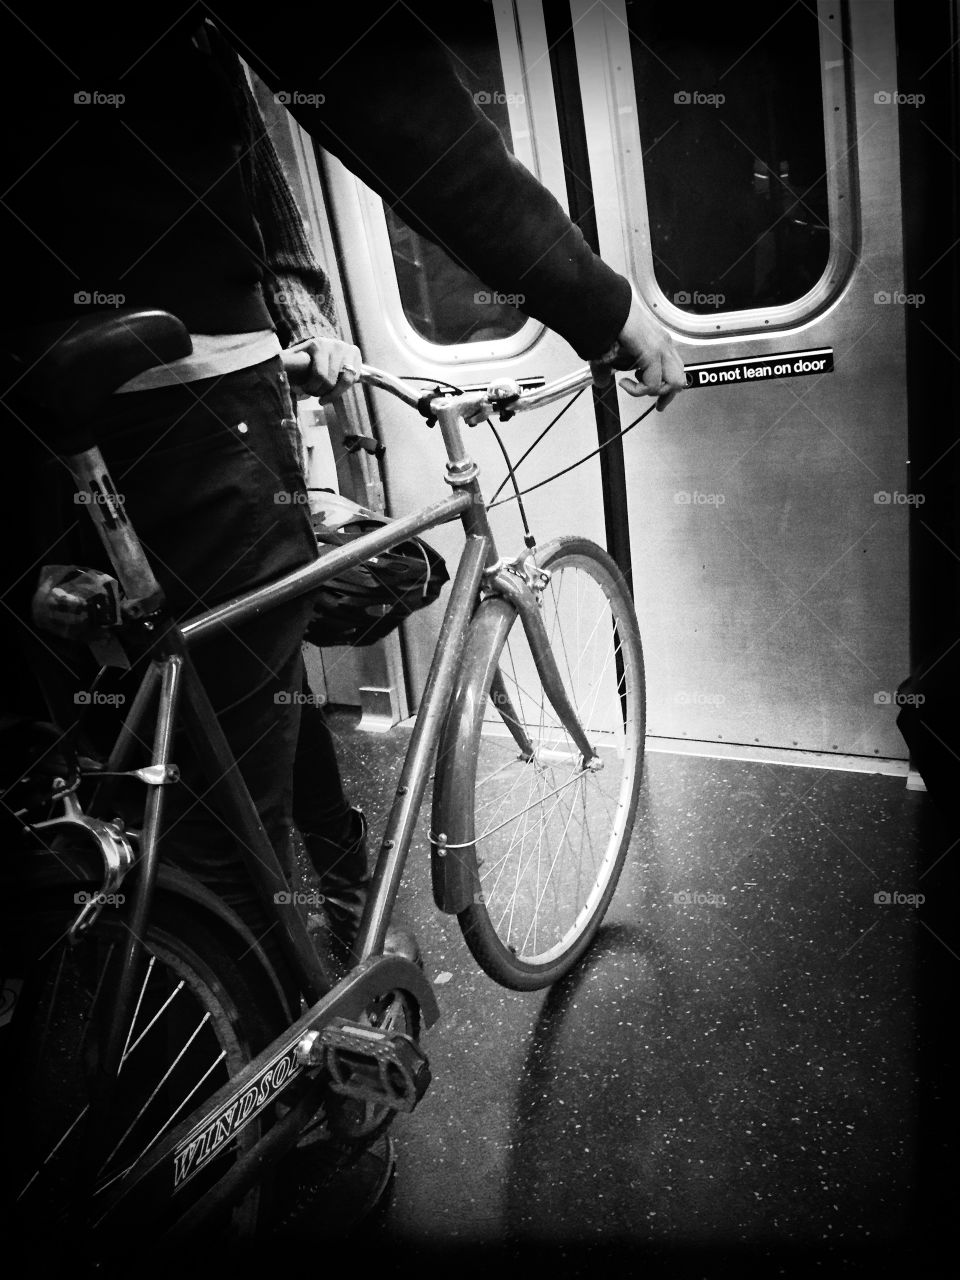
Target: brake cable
[
  {"x": 573, "y": 465},
  {"x": 526, "y": 453},
  {"x": 528, "y": 537},
  {"x": 518, "y": 493}
]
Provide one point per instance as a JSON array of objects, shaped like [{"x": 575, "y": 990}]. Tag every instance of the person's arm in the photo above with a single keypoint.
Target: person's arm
[
  {"x": 378, "y": 90},
  {"x": 295, "y": 286}
]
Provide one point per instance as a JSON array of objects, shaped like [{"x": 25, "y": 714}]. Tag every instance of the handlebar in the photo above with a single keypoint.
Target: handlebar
[{"x": 474, "y": 406}]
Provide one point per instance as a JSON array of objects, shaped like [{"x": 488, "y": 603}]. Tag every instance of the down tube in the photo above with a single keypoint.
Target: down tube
[{"x": 416, "y": 766}]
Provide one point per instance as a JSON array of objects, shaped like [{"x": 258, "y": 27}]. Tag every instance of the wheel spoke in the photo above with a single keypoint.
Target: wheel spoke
[
  {"x": 163, "y": 1008},
  {"x": 173, "y": 1115},
  {"x": 53, "y": 1151},
  {"x": 136, "y": 1013},
  {"x": 159, "y": 1085}
]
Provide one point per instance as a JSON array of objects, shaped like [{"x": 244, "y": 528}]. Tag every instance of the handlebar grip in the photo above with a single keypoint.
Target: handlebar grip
[{"x": 96, "y": 490}]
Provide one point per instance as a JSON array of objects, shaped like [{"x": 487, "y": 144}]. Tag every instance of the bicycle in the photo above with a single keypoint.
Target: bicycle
[{"x": 171, "y": 1063}]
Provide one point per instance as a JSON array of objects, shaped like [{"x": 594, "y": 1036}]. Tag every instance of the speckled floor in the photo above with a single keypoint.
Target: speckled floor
[{"x": 731, "y": 1074}]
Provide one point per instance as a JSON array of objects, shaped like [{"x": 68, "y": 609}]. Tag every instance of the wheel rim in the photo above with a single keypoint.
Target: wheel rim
[{"x": 549, "y": 830}]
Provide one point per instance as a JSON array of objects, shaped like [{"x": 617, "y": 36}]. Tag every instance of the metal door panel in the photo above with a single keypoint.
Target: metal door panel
[{"x": 773, "y": 602}]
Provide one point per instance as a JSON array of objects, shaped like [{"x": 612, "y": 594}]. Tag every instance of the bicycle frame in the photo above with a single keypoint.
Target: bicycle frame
[{"x": 172, "y": 681}]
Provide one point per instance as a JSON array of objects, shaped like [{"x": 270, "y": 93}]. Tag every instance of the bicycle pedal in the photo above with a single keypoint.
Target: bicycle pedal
[{"x": 382, "y": 1067}]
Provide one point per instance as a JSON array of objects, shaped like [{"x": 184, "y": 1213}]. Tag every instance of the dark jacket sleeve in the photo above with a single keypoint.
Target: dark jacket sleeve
[
  {"x": 295, "y": 287},
  {"x": 379, "y": 91}
]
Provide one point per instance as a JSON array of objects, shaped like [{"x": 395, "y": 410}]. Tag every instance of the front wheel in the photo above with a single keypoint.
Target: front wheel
[{"x": 550, "y": 828}]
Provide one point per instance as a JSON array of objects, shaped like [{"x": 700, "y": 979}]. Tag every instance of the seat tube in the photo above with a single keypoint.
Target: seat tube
[{"x": 163, "y": 773}]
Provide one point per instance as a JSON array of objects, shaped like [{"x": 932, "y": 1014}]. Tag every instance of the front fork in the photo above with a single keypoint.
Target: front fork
[
  {"x": 525, "y": 596},
  {"x": 519, "y": 581}
]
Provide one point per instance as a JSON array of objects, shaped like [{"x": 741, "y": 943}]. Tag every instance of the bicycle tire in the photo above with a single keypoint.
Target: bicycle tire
[
  {"x": 518, "y": 807},
  {"x": 200, "y": 1015}
]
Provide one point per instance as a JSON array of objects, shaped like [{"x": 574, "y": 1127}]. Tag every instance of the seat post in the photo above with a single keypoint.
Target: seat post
[{"x": 96, "y": 491}]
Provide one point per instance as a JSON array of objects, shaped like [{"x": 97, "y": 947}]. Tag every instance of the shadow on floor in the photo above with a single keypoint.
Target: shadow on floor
[{"x": 729, "y": 1081}]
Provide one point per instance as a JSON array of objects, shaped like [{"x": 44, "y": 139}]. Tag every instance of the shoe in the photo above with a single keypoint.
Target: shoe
[
  {"x": 343, "y": 905},
  {"x": 345, "y": 885}
]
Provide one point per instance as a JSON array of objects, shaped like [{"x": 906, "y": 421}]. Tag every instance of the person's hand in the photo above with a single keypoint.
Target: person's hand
[
  {"x": 645, "y": 346},
  {"x": 334, "y": 368}
]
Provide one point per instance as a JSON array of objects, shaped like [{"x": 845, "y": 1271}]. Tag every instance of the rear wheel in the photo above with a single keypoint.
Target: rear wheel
[
  {"x": 551, "y": 828},
  {"x": 198, "y": 1018}
]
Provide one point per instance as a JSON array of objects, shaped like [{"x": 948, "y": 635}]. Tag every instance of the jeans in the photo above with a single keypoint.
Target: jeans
[{"x": 216, "y": 495}]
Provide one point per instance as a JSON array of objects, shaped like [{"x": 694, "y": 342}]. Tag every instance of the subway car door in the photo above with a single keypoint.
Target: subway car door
[{"x": 746, "y": 176}]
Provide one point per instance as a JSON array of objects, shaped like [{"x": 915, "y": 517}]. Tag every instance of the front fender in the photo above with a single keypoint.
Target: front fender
[{"x": 453, "y": 864}]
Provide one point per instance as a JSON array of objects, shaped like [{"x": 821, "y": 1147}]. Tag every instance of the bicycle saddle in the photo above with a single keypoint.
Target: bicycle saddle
[{"x": 73, "y": 367}]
